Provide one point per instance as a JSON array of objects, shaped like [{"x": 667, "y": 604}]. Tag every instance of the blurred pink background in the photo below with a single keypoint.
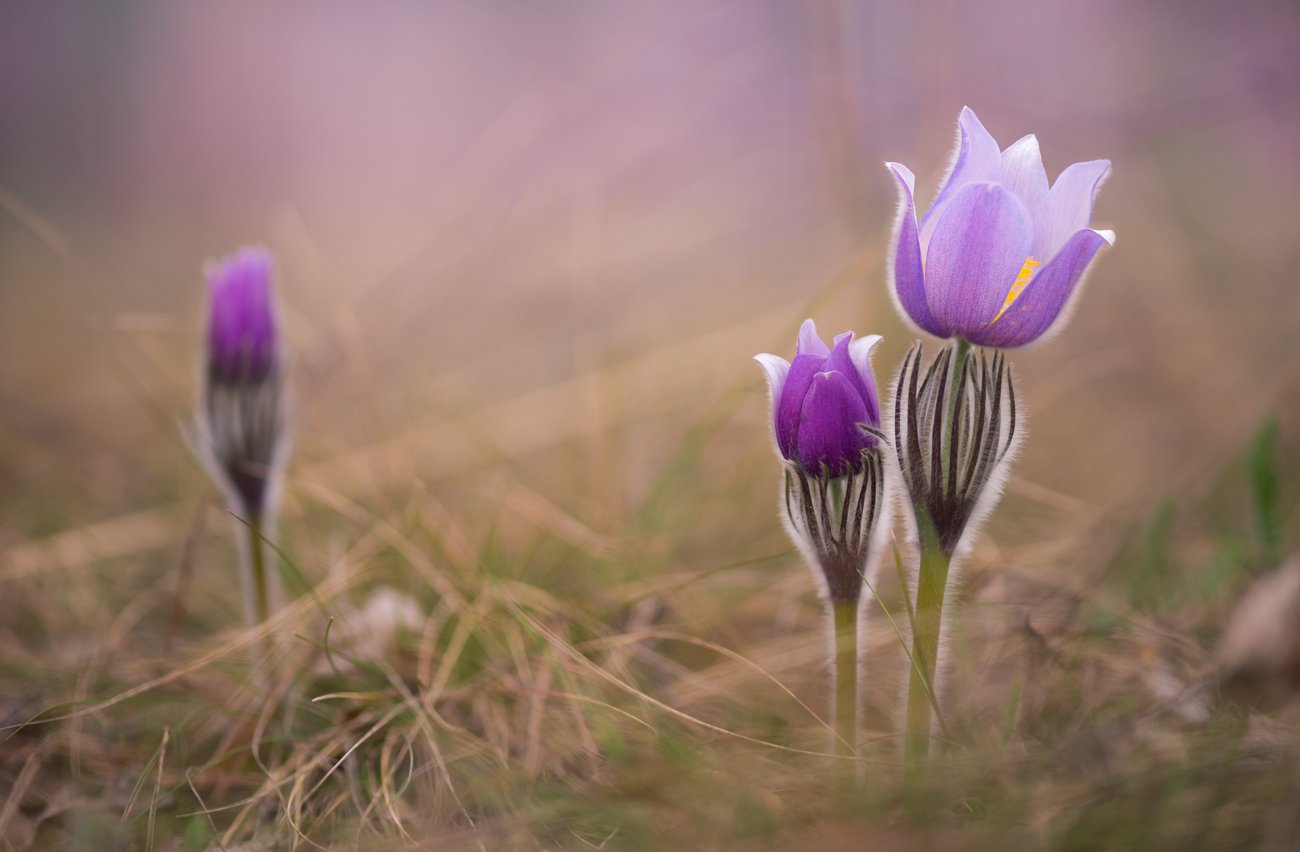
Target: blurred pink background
[{"x": 473, "y": 200}]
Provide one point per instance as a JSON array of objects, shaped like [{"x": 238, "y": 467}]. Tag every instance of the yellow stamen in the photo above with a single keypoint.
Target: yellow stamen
[{"x": 1018, "y": 286}]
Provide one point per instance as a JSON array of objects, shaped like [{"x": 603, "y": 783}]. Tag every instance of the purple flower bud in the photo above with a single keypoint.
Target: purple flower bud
[
  {"x": 243, "y": 342},
  {"x": 821, "y": 400},
  {"x": 241, "y": 418},
  {"x": 998, "y": 258}
]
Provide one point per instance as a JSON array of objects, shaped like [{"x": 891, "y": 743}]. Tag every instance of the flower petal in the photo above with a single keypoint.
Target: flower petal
[
  {"x": 798, "y": 380},
  {"x": 1044, "y": 304},
  {"x": 810, "y": 343},
  {"x": 976, "y": 158},
  {"x": 979, "y": 246},
  {"x": 1022, "y": 171},
  {"x": 1068, "y": 206},
  {"x": 841, "y": 361},
  {"x": 860, "y": 352},
  {"x": 905, "y": 271},
  {"x": 776, "y": 369},
  {"x": 828, "y": 425},
  {"x": 242, "y": 332}
]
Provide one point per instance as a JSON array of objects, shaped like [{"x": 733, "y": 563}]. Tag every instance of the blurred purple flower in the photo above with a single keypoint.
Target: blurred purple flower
[
  {"x": 999, "y": 256},
  {"x": 819, "y": 400},
  {"x": 241, "y": 418},
  {"x": 243, "y": 341}
]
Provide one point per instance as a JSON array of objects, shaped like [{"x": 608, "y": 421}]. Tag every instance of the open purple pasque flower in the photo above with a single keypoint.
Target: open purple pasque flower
[
  {"x": 820, "y": 400},
  {"x": 243, "y": 339},
  {"x": 999, "y": 255}
]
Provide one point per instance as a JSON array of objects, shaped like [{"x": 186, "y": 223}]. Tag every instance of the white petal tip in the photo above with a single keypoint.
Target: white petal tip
[
  {"x": 810, "y": 341},
  {"x": 1029, "y": 140},
  {"x": 775, "y": 369},
  {"x": 866, "y": 343},
  {"x": 973, "y": 130},
  {"x": 969, "y": 120},
  {"x": 1108, "y": 236},
  {"x": 903, "y": 174}
]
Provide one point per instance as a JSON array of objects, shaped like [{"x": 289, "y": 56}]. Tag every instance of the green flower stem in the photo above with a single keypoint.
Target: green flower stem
[
  {"x": 932, "y": 583},
  {"x": 845, "y": 618},
  {"x": 261, "y": 586}
]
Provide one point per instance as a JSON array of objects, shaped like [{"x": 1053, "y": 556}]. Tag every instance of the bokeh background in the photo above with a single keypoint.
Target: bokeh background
[
  {"x": 527, "y": 250},
  {"x": 472, "y": 200}
]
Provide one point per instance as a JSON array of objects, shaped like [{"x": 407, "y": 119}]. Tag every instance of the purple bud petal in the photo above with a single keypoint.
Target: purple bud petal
[
  {"x": 810, "y": 343},
  {"x": 828, "y": 426},
  {"x": 243, "y": 339},
  {"x": 797, "y": 382},
  {"x": 841, "y": 361},
  {"x": 812, "y": 422}
]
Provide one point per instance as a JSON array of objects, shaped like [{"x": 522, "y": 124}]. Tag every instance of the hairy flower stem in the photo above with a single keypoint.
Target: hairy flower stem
[
  {"x": 931, "y": 586},
  {"x": 832, "y": 520},
  {"x": 955, "y": 424},
  {"x": 958, "y": 374},
  {"x": 845, "y": 638}
]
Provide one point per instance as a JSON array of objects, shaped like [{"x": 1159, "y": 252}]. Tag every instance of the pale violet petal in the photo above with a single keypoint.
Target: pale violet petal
[
  {"x": 904, "y": 268},
  {"x": 976, "y": 158},
  {"x": 980, "y": 246},
  {"x": 1022, "y": 171},
  {"x": 1044, "y": 306},
  {"x": 1067, "y": 209}
]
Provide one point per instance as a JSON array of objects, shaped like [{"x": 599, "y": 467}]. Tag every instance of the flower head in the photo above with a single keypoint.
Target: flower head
[
  {"x": 821, "y": 400},
  {"x": 998, "y": 257},
  {"x": 241, "y": 434},
  {"x": 957, "y": 425},
  {"x": 243, "y": 339}
]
